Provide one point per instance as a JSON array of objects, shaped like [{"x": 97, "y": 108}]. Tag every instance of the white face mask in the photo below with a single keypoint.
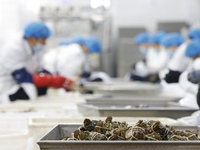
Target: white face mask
[
  {"x": 38, "y": 47},
  {"x": 143, "y": 50}
]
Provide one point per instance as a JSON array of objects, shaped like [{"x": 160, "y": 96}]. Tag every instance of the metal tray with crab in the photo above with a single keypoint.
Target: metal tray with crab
[
  {"x": 136, "y": 109},
  {"x": 52, "y": 141}
]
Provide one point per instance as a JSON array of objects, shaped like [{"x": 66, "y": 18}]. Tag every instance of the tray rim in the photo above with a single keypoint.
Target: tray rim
[
  {"x": 138, "y": 109},
  {"x": 50, "y": 142}
]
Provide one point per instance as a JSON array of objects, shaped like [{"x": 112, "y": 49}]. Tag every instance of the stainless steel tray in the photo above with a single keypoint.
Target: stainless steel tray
[
  {"x": 126, "y": 89},
  {"x": 128, "y": 92},
  {"x": 52, "y": 141},
  {"x": 136, "y": 109},
  {"x": 120, "y": 85},
  {"x": 118, "y": 100}
]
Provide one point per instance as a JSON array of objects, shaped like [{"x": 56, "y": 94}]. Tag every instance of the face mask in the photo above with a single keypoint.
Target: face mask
[
  {"x": 143, "y": 50},
  {"x": 37, "y": 48},
  {"x": 170, "y": 53}
]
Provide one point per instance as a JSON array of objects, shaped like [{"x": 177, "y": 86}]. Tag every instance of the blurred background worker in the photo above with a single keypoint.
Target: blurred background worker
[
  {"x": 22, "y": 75},
  {"x": 70, "y": 59},
  {"x": 140, "y": 70},
  {"x": 171, "y": 42},
  {"x": 180, "y": 62},
  {"x": 161, "y": 58},
  {"x": 190, "y": 78},
  {"x": 155, "y": 57}
]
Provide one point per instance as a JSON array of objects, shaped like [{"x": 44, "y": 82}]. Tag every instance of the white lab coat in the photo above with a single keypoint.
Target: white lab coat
[
  {"x": 190, "y": 88},
  {"x": 159, "y": 61},
  {"x": 183, "y": 80},
  {"x": 151, "y": 54},
  {"x": 141, "y": 68},
  {"x": 17, "y": 54},
  {"x": 174, "y": 88},
  {"x": 179, "y": 61},
  {"x": 66, "y": 60}
]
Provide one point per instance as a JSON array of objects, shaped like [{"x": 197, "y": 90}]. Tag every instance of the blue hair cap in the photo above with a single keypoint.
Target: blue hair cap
[
  {"x": 193, "y": 48},
  {"x": 194, "y": 33},
  {"x": 37, "y": 29},
  {"x": 172, "y": 39},
  {"x": 141, "y": 38},
  {"x": 157, "y": 37}
]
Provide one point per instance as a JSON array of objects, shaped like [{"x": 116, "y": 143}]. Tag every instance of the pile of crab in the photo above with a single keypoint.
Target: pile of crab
[{"x": 143, "y": 130}]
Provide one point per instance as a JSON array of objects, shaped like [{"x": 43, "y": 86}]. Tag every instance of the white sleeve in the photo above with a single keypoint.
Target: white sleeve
[
  {"x": 196, "y": 64},
  {"x": 179, "y": 61},
  {"x": 141, "y": 69},
  {"x": 187, "y": 85},
  {"x": 158, "y": 63},
  {"x": 49, "y": 60},
  {"x": 70, "y": 62},
  {"x": 12, "y": 60}
]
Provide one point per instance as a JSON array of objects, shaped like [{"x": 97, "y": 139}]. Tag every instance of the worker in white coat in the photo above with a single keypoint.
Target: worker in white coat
[
  {"x": 140, "y": 67},
  {"x": 69, "y": 59},
  {"x": 189, "y": 79},
  {"x": 171, "y": 42},
  {"x": 160, "y": 60},
  {"x": 180, "y": 62},
  {"x": 22, "y": 75},
  {"x": 140, "y": 70}
]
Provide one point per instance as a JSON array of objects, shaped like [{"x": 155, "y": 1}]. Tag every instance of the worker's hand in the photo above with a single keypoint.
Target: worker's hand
[
  {"x": 69, "y": 85},
  {"x": 68, "y": 82},
  {"x": 75, "y": 79}
]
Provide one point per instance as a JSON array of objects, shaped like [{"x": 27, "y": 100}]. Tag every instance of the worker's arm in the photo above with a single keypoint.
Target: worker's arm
[{"x": 41, "y": 79}]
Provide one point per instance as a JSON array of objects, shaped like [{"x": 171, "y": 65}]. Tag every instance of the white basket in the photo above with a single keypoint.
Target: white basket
[
  {"x": 13, "y": 139},
  {"x": 50, "y": 108},
  {"x": 17, "y": 121}
]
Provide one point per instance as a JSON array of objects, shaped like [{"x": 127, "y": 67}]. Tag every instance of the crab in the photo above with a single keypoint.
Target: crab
[{"x": 151, "y": 130}]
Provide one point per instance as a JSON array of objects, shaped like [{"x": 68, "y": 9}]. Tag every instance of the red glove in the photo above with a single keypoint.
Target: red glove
[{"x": 48, "y": 80}]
